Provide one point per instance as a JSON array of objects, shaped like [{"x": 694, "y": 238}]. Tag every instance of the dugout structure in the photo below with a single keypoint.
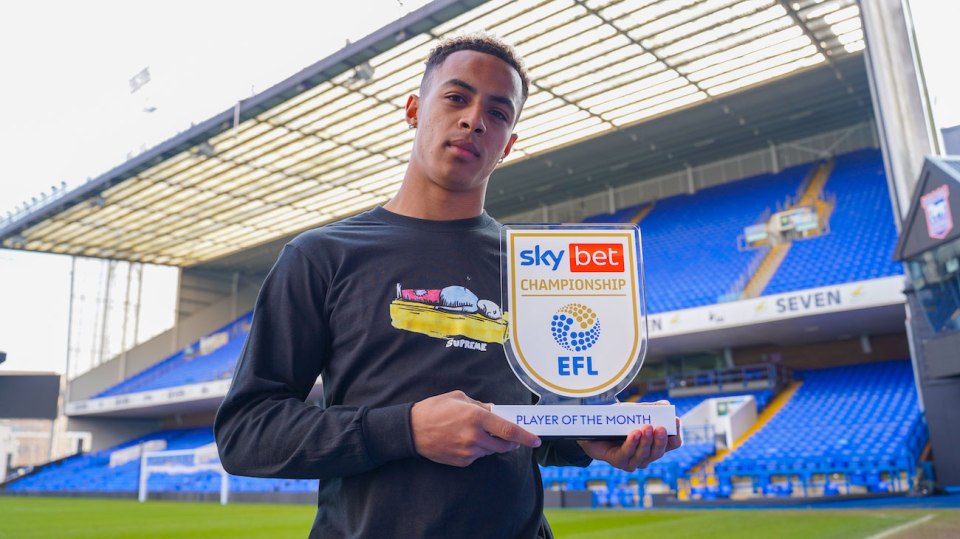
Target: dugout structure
[{"x": 930, "y": 246}]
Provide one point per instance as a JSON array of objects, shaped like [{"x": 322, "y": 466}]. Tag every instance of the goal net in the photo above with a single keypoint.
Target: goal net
[{"x": 182, "y": 462}]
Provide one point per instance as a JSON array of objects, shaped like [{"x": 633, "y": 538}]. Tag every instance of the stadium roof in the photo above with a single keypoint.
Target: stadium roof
[{"x": 331, "y": 141}]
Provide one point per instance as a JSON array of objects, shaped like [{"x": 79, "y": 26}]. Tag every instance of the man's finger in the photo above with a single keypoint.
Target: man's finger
[
  {"x": 656, "y": 449},
  {"x": 620, "y": 455},
  {"x": 659, "y": 444},
  {"x": 642, "y": 451},
  {"x": 505, "y": 430},
  {"x": 492, "y": 444},
  {"x": 630, "y": 445},
  {"x": 676, "y": 440}
]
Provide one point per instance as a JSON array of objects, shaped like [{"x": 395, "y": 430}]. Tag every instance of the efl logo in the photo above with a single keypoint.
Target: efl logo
[{"x": 596, "y": 257}]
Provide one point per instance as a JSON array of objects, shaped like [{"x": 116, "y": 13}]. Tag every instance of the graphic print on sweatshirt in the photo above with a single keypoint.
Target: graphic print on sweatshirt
[{"x": 453, "y": 313}]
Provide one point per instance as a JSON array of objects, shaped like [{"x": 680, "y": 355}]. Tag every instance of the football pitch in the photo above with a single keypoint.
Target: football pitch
[{"x": 24, "y": 518}]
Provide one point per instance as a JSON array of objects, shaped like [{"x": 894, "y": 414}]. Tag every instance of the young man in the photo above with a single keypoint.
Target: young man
[{"x": 397, "y": 310}]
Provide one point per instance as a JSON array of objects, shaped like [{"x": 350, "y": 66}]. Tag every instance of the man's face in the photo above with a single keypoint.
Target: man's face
[{"x": 464, "y": 120}]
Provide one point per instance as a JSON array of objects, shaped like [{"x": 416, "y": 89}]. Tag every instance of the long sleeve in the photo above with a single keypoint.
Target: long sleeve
[{"x": 263, "y": 427}]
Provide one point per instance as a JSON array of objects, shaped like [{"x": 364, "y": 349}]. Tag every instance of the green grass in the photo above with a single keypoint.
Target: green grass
[
  {"x": 717, "y": 523},
  {"x": 25, "y": 518}
]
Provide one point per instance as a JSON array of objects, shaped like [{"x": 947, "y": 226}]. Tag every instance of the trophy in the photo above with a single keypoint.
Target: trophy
[{"x": 576, "y": 329}]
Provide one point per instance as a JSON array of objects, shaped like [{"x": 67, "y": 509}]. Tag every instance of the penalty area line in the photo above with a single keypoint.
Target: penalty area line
[{"x": 897, "y": 529}]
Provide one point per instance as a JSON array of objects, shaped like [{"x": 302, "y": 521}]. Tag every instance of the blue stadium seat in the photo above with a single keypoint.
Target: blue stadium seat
[
  {"x": 862, "y": 421},
  {"x": 862, "y": 231},
  {"x": 92, "y": 472},
  {"x": 190, "y": 366},
  {"x": 690, "y": 241},
  {"x": 668, "y": 469},
  {"x": 623, "y": 215}
]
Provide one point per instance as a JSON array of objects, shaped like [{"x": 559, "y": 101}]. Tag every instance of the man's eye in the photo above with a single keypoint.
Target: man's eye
[
  {"x": 499, "y": 115},
  {"x": 455, "y": 98}
]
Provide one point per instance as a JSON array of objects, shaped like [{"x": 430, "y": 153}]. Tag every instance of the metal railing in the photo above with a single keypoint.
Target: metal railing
[
  {"x": 735, "y": 292},
  {"x": 731, "y": 379},
  {"x": 27, "y": 207}
]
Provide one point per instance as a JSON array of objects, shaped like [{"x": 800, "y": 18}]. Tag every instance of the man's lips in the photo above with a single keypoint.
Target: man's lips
[{"x": 464, "y": 148}]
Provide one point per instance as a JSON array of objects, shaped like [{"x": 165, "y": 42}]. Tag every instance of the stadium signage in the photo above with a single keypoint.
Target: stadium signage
[
  {"x": 804, "y": 302},
  {"x": 584, "y": 257},
  {"x": 148, "y": 399},
  {"x": 837, "y": 298},
  {"x": 576, "y": 327},
  {"x": 936, "y": 208}
]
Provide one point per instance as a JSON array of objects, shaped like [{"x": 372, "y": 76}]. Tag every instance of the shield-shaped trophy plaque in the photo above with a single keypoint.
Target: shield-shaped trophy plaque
[{"x": 577, "y": 328}]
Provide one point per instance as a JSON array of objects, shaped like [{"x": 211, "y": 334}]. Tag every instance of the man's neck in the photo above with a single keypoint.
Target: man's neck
[{"x": 435, "y": 204}]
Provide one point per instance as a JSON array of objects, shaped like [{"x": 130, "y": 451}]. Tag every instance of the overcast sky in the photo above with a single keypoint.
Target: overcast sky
[{"x": 69, "y": 114}]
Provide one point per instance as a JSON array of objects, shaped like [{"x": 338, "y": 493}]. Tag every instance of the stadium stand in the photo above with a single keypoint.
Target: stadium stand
[
  {"x": 869, "y": 434},
  {"x": 681, "y": 232},
  {"x": 861, "y": 421},
  {"x": 93, "y": 472},
  {"x": 862, "y": 232},
  {"x": 847, "y": 429},
  {"x": 699, "y": 231},
  {"x": 613, "y": 487},
  {"x": 210, "y": 358},
  {"x": 686, "y": 404},
  {"x": 622, "y": 215},
  {"x": 836, "y": 430}
]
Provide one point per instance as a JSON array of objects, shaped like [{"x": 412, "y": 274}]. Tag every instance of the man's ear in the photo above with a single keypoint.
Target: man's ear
[
  {"x": 413, "y": 106},
  {"x": 506, "y": 150}
]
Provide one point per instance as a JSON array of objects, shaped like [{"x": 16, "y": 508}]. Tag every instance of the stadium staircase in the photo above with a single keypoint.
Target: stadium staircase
[
  {"x": 860, "y": 424},
  {"x": 771, "y": 262},
  {"x": 812, "y": 195},
  {"x": 644, "y": 211},
  {"x": 612, "y": 487},
  {"x": 699, "y": 231},
  {"x": 702, "y": 475},
  {"x": 862, "y": 233}
]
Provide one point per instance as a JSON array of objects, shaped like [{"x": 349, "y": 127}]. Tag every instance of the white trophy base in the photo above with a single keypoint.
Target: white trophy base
[{"x": 588, "y": 421}]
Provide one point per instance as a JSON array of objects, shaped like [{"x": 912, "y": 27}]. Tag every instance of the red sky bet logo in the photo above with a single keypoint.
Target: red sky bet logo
[{"x": 596, "y": 258}]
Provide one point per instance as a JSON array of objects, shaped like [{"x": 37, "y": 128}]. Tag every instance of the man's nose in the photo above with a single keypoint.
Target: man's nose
[{"x": 473, "y": 119}]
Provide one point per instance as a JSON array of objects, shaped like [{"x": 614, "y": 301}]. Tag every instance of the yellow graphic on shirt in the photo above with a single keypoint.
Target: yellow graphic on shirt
[{"x": 448, "y": 313}]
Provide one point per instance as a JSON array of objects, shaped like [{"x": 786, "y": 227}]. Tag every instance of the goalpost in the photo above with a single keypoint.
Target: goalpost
[{"x": 183, "y": 461}]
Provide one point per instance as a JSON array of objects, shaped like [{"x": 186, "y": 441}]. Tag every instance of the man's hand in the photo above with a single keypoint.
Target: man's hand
[
  {"x": 641, "y": 447},
  {"x": 454, "y": 429}
]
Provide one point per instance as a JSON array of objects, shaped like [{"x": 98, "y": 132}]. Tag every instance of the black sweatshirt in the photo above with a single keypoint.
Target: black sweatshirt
[{"x": 389, "y": 310}]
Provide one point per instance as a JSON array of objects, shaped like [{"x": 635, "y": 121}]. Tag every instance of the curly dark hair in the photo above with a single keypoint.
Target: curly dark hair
[{"x": 478, "y": 42}]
